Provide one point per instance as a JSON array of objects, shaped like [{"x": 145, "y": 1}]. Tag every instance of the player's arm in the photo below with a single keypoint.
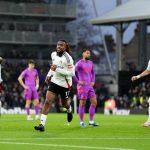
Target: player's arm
[
  {"x": 50, "y": 73},
  {"x": 68, "y": 71},
  {"x": 37, "y": 83},
  {"x": 75, "y": 78},
  {"x": 92, "y": 76},
  {"x": 20, "y": 79},
  {"x": 144, "y": 73},
  {"x": 49, "y": 76}
]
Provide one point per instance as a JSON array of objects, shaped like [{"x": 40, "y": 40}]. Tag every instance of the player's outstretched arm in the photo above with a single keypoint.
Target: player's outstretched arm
[{"x": 144, "y": 73}]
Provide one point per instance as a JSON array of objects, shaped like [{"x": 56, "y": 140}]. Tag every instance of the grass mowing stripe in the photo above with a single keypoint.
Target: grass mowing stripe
[
  {"x": 101, "y": 138},
  {"x": 116, "y": 132},
  {"x": 70, "y": 146}
]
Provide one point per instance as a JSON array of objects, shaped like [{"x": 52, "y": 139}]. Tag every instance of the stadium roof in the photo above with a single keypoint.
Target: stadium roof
[{"x": 132, "y": 10}]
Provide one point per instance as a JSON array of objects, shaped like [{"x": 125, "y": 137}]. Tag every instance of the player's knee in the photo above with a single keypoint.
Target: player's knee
[
  {"x": 36, "y": 102},
  {"x": 65, "y": 104},
  {"x": 94, "y": 103},
  {"x": 82, "y": 103},
  {"x": 48, "y": 102}
]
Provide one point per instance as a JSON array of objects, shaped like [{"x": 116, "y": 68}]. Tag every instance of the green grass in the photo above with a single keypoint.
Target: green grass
[{"x": 115, "y": 133}]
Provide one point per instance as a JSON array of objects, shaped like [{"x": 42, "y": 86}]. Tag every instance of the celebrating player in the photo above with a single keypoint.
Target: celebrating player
[
  {"x": 144, "y": 73},
  {"x": 61, "y": 72},
  {"x": 85, "y": 81},
  {"x": 29, "y": 80}
]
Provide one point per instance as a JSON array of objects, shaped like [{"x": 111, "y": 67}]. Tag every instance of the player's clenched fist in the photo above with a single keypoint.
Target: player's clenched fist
[{"x": 133, "y": 78}]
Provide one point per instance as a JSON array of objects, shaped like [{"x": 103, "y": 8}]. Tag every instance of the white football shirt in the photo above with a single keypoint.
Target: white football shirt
[{"x": 64, "y": 71}]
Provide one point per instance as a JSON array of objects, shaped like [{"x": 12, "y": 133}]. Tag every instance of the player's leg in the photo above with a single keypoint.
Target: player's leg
[
  {"x": 82, "y": 96},
  {"x": 147, "y": 123},
  {"x": 93, "y": 101},
  {"x": 36, "y": 104},
  {"x": 45, "y": 110},
  {"x": 27, "y": 107},
  {"x": 36, "y": 108},
  {"x": 28, "y": 96},
  {"x": 81, "y": 112},
  {"x": 50, "y": 95},
  {"x": 66, "y": 103}
]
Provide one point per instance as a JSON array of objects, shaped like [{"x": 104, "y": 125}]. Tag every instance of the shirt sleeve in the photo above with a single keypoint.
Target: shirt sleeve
[
  {"x": 50, "y": 73},
  {"x": 148, "y": 66},
  {"x": 52, "y": 55},
  {"x": 23, "y": 74}
]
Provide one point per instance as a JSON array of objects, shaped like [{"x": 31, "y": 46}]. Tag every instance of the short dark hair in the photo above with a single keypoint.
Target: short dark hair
[
  {"x": 31, "y": 61},
  {"x": 84, "y": 50}
]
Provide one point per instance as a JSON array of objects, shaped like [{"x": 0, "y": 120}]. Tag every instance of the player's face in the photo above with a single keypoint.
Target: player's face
[
  {"x": 61, "y": 47},
  {"x": 87, "y": 55},
  {"x": 31, "y": 66}
]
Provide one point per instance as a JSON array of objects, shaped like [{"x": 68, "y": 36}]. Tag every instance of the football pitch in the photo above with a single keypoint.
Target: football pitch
[{"x": 114, "y": 133}]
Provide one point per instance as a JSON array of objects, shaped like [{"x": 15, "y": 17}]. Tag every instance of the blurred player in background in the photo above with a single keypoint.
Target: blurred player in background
[
  {"x": 59, "y": 81},
  {"x": 85, "y": 78},
  {"x": 29, "y": 80},
  {"x": 133, "y": 78}
]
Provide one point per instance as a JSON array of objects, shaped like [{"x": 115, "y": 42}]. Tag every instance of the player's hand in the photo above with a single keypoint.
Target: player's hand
[
  {"x": 92, "y": 83},
  {"x": 1, "y": 60},
  {"x": 1, "y": 80},
  {"x": 37, "y": 87},
  {"x": 133, "y": 78},
  {"x": 26, "y": 87},
  {"x": 47, "y": 79},
  {"x": 53, "y": 67},
  {"x": 81, "y": 82}
]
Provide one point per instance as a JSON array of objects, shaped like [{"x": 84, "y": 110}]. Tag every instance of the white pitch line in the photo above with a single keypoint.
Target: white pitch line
[
  {"x": 55, "y": 138},
  {"x": 68, "y": 146}
]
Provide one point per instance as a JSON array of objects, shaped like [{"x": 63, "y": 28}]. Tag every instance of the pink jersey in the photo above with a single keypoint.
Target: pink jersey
[
  {"x": 29, "y": 77},
  {"x": 85, "y": 72}
]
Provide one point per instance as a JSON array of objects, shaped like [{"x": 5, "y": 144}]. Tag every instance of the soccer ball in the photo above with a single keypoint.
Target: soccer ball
[{"x": 1, "y": 59}]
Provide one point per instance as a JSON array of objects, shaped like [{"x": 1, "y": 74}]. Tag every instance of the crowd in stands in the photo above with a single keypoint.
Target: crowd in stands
[
  {"x": 139, "y": 94},
  {"x": 136, "y": 97},
  {"x": 13, "y": 95}
]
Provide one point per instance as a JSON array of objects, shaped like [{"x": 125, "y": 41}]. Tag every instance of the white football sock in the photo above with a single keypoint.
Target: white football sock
[
  {"x": 70, "y": 109},
  {"x": 43, "y": 119},
  {"x": 91, "y": 121}
]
